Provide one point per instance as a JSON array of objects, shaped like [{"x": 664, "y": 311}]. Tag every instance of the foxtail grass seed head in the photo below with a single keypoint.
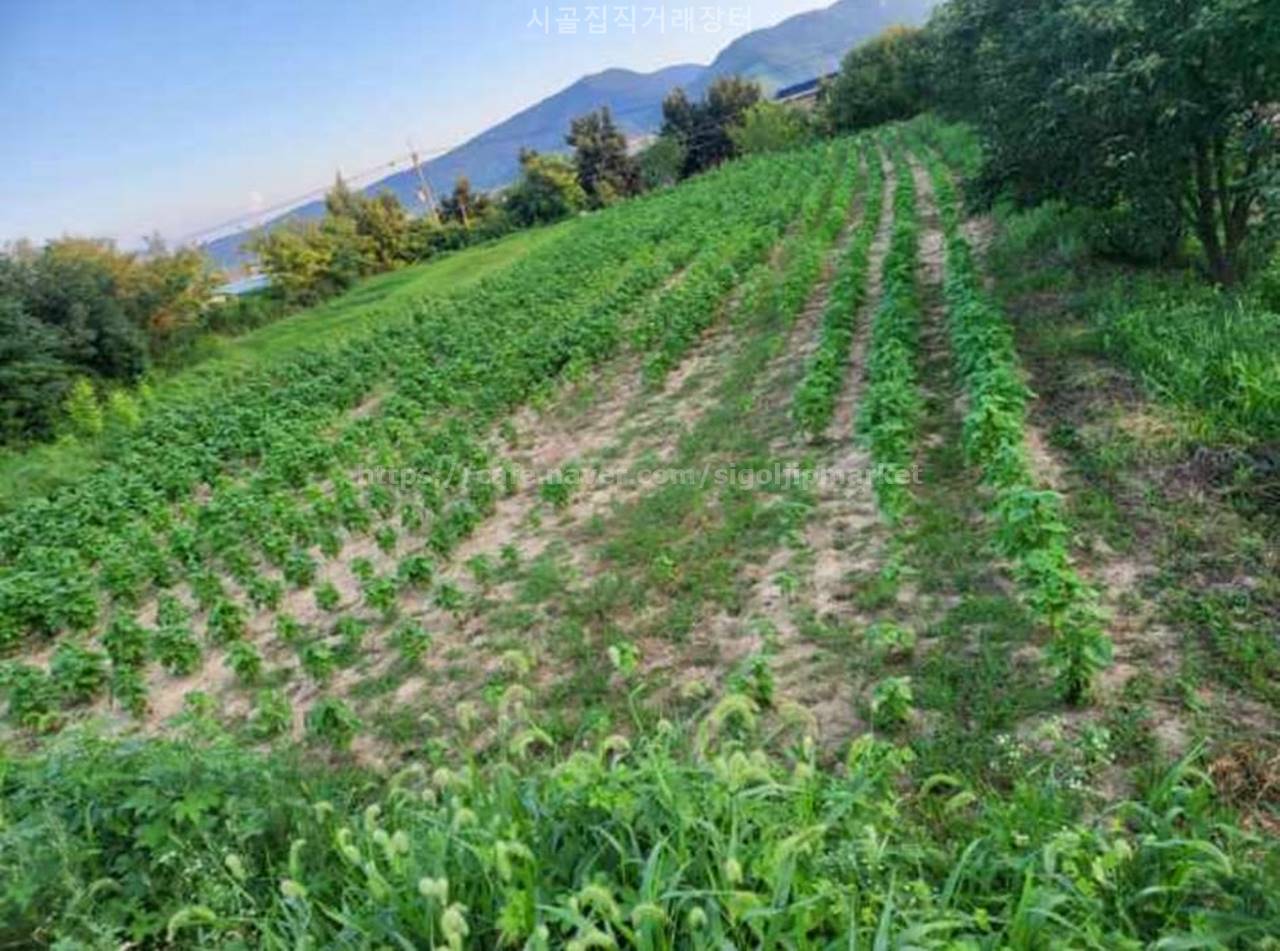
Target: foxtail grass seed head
[
  {"x": 292, "y": 889},
  {"x": 346, "y": 847},
  {"x": 235, "y": 866},
  {"x": 454, "y": 925},
  {"x": 436, "y": 889},
  {"x": 733, "y": 871}
]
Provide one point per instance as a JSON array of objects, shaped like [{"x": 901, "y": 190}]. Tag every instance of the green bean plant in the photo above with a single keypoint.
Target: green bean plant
[
  {"x": 1031, "y": 530},
  {"x": 824, "y": 378},
  {"x": 891, "y": 406},
  {"x": 78, "y": 673}
]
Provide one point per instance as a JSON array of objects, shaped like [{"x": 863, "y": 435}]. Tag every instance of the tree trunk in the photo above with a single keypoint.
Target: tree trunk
[{"x": 1221, "y": 248}]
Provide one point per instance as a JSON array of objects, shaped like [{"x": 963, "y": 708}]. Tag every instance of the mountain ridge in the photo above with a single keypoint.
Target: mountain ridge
[{"x": 797, "y": 48}]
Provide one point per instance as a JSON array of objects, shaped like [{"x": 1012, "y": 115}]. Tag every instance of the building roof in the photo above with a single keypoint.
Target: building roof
[{"x": 801, "y": 89}]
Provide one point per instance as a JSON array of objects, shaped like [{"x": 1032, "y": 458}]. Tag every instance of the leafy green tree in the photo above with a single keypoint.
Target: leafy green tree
[
  {"x": 290, "y": 256},
  {"x": 82, "y": 308},
  {"x": 661, "y": 162},
  {"x": 465, "y": 205},
  {"x": 770, "y": 127},
  {"x": 680, "y": 116},
  {"x": 168, "y": 293},
  {"x": 702, "y": 128},
  {"x": 880, "y": 81},
  {"x": 34, "y": 376},
  {"x": 75, "y": 287},
  {"x": 605, "y": 170},
  {"x": 383, "y": 222},
  {"x": 548, "y": 190},
  {"x": 1153, "y": 111},
  {"x": 340, "y": 201},
  {"x": 380, "y": 223},
  {"x": 309, "y": 262}
]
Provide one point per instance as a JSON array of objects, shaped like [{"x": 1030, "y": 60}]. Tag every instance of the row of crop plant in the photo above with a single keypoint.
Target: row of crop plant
[
  {"x": 237, "y": 562},
  {"x": 891, "y": 403},
  {"x": 1031, "y": 526},
  {"x": 818, "y": 390},
  {"x": 481, "y": 352},
  {"x": 672, "y": 327}
]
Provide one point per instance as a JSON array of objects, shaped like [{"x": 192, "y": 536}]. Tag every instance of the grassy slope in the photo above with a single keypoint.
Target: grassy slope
[
  {"x": 350, "y": 312},
  {"x": 38, "y": 470}
]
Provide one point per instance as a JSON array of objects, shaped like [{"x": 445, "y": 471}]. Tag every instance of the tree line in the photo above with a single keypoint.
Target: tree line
[
  {"x": 362, "y": 234},
  {"x": 1161, "y": 116},
  {"x": 80, "y": 310}
]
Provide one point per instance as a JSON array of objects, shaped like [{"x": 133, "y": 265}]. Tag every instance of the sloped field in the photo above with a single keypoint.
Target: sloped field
[{"x": 701, "y": 579}]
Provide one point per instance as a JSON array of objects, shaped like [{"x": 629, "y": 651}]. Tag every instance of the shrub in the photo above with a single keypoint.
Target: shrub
[
  {"x": 177, "y": 650},
  {"x": 245, "y": 660},
  {"x": 78, "y": 673},
  {"x": 333, "y": 723}
]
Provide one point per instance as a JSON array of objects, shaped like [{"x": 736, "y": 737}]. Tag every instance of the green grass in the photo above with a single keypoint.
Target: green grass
[
  {"x": 1212, "y": 356},
  {"x": 1195, "y": 348},
  {"x": 648, "y": 846}
]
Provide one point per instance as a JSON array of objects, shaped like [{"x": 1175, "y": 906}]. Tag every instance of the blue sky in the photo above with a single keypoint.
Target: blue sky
[{"x": 125, "y": 117}]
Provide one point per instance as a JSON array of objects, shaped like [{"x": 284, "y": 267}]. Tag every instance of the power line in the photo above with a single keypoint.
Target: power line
[
  {"x": 424, "y": 186},
  {"x": 285, "y": 205},
  {"x": 244, "y": 222}
]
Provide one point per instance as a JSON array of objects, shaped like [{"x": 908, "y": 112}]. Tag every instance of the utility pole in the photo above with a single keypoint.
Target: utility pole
[{"x": 424, "y": 187}]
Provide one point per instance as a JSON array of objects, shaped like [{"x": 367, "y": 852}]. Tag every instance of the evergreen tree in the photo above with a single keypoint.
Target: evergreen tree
[{"x": 605, "y": 170}]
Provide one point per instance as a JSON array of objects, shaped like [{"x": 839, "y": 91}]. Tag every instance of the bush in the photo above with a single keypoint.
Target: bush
[
  {"x": 242, "y": 313},
  {"x": 83, "y": 412},
  {"x": 770, "y": 127},
  {"x": 879, "y": 81}
]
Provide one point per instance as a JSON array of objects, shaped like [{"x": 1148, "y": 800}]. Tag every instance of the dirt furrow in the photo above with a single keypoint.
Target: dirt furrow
[
  {"x": 799, "y": 595},
  {"x": 655, "y": 428}
]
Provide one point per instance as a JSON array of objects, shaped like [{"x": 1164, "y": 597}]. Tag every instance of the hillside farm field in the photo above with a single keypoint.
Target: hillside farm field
[{"x": 741, "y": 566}]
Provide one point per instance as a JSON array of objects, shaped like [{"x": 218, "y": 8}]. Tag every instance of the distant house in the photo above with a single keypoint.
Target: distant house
[
  {"x": 244, "y": 285},
  {"x": 802, "y": 95}
]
